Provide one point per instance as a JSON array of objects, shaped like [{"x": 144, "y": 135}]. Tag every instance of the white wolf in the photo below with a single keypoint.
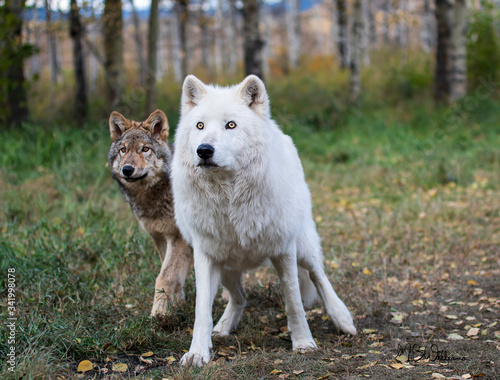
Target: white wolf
[{"x": 240, "y": 197}]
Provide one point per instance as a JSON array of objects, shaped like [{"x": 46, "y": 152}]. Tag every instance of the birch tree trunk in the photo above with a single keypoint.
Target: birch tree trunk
[
  {"x": 113, "y": 49},
  {"x": 386, "y": 22},
  {"x": 443, "y": 50},
  {"x": 12, "y": 83},
  {"x": 219, "y": 40},
  {"x": 55, "y": 70},
  {"x": 138, "y": 45},
  {"x": 76, "y": 32},
  {"x": 252, "y": 44},
  {"x": 152, "y": 57},
  {"x": 293, "y": 32},
  {"x": 356, "y": 50},
  {"x": 176, "y": 49},
  {"x": 459, "y": 47},
  {"x": 343, "y": 36},
  {"x": 183, "y": 18},
  {"x": 232, "y": 37},
  {"x": 426, "y": 27}
]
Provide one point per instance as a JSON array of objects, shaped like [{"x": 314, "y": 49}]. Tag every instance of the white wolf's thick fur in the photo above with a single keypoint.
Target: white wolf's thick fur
[{"x": 246, "y": 203}]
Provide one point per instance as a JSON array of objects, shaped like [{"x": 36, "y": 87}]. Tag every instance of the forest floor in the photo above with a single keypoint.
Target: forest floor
[{"x": 408, "y": 209}]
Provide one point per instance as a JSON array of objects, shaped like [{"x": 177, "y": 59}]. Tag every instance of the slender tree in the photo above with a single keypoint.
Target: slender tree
[
  {"x": 152, "y": 57},
  {"x": 138, "y": 44},
  {"x": 293, "y": 31},
  {"x": 458, "y": 81},
  {"x": 55, "y": 70},
  {"x": 442, "y": 75},
  {"x": 343, "y": 33},
  {"x": 76, "y": 32},
  {"x": 252, "y": 41},
  {"x": 356, "y": 50},
  {"x": 13, "y": 98},
  {"x": 113, "y": 49},
  {"x": 182, "y": 8},
  {"x": 426, "y": 26}
]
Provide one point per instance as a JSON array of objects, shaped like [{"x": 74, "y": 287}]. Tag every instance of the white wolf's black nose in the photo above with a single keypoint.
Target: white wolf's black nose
[
  {"x": 205, "y": 151},
  {"x": 128, "y": 170}
]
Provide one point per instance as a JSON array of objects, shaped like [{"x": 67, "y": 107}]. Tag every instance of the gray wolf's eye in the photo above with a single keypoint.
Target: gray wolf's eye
[
  {"x": 231, "y": 125},
  {"x": 123, "y": 150},
  {"x": 145, "y": 149},
  {"x": 200, "y": 125}
]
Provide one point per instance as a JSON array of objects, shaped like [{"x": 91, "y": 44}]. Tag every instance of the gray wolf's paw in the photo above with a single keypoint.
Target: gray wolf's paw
[
  {"x": 160, "y": 308},
  {"x": 193, "y": 358},
  {"x": 304, "y": 345}
]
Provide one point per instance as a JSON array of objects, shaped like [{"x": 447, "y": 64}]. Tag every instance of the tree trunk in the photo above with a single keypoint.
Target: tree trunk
[
  {"x": 459, "y": 56},
  {"x": 176, "y": 49},
  {"x": 13, "y": 99},
  {"x": 205, "y": 38},
  {"x": 138, "y": 45},
  {"x": 293, "y": 32},
  {"x": 252, "y": 44},
  {"x": 113, "y": 49},
  {"x": 76, "y": 32},
  {"x": 386, "y": 22},
  {"x": 357, "y": 50},
  {"x": 183, "y": 18},
  {"x": 343, "y": 36},
  {"x": 55, "y": 70},
  {"x": 232, "y": 37},
  {"x": 443, "y": 51},
  {"x": 426, "y": 27},
  {"x": 152, "y": 57},
  {"x": 219, "y": 40}
]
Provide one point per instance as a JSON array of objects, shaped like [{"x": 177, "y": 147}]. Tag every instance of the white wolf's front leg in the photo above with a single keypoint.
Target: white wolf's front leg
[
  {"x": 286, "y": 266},
  {"x": 207, "y": 275}
]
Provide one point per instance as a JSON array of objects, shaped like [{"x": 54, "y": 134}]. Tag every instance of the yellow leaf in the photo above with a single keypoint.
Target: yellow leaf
[
  {"x": 275, "y": 372},
  {"x": 396, "y": 365},
  {"x": 298, "y": 372},
  {"x": 449, "y": 316},
  {"x": 278, "y": 361},
  {"x": 120, "y": 367},
  {"x": 85, "y": 365},
  {"x": 369, "y": 331},
  {"x": 472, "y": 282},
  {"x": 171, "y": 359},
  {"x": 324, "y": 377},
  {"x": 367, "y": 272},
  {"x": 147, "y": 354}
]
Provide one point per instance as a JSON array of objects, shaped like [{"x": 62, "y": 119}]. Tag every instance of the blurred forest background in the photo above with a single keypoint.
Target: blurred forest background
[{"x": 75, "y": 61}]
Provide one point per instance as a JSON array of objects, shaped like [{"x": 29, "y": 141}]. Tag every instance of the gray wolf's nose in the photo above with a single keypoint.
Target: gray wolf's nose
[
  {"x": 128, "y": 170},
  {"x": 205, "y": 151}
]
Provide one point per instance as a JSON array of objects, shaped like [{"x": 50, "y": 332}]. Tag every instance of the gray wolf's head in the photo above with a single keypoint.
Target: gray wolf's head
[
  {"x": 139, "y": 152},
  {"x": 223, "y": 128}
]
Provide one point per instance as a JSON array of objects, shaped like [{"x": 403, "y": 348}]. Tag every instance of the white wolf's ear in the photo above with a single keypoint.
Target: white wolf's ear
[
  {"x": 117, "y": 125},
  {"x": 253, "y": 92},
  {"x": 193, "y": 90},
  {"x": 158, "y": 125}
]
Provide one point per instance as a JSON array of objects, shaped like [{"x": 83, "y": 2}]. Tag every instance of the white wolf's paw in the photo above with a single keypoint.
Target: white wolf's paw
[
  {"x": 304, "y": 345},
  {"x": 193, "y": 358},
  {"x": 222, "y": 329}
]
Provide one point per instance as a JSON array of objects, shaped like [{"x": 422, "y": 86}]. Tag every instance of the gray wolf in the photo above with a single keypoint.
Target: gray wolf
[
  {"x": 140, "y": 159},
  {"x": 241, "y": 198}
]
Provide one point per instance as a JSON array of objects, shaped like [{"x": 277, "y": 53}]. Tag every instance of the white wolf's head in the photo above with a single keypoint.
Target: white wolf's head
[{"x": 223, "y": 128}]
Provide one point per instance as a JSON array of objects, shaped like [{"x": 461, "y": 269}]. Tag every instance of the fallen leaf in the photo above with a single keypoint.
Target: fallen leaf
[
  {"x": 171, "y": 359},
  {"x": 473, "y": 331},
  {"x": 396, "y": 365},
  {"x": 450, "y": 316},
  {"x": 472, "y": 282},
  {"x": 369, "y": 331},
  {"x": 367, "y": 272},
  {"x": 147, "y": 361},
  {"x": 454, "y": 336},
  {"x": 298, "y": 372},
  {"x": 147, "y": 354},
  {"x": 402, "y": 358},
  {"x": 467, "y": 376},
  {"x": 275, "y": 372},
  {"x": 120, "y": 367},
  {"x": 283, "y": 376},
  {"x": 436, "y": 375},
  {"x": 85, "y": 365},
  {"x": 278, "y": 361}
]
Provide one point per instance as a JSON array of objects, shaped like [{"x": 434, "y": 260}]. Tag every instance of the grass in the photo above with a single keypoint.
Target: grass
[{"x": 406, "y": 202}]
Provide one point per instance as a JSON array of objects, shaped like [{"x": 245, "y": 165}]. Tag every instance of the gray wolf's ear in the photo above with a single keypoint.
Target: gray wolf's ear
[
  {"x": 253, "y": 92},
  {"x": 193, "y": 90},
  {"x": 158, "y": 125},
  {"x": 117, "y": 125}
]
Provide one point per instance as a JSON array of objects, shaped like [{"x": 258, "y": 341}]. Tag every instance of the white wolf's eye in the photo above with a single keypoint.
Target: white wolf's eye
[
  {"x": 123, "y": 150},
  {"x": 231, "y": 125},
  {"x": 200, "y": 125}
]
